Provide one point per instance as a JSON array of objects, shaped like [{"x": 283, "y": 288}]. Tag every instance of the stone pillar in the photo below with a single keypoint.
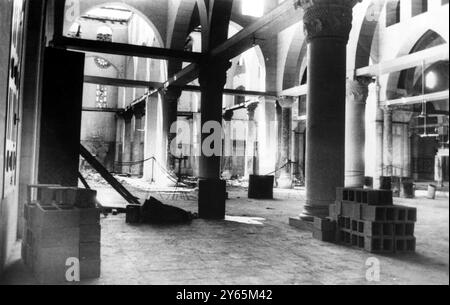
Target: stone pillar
[
  {"x": 285, "y": 179},
  {"x": 212, "y": 189},
  {"x": 251, "y": 164},
  {"x": 355, "y": 138},
  {"x": 388, "y": 144},
  {"x": 327, "y": 24},
  {"x": 127, "y": 149},
  {"x": 407, "y": 151},
  {"x": 170, "y": 115},
  {"x": 138, "y": 136},
  {"x": 227, "y": 158},
  {"x": 416, "y": 155}
]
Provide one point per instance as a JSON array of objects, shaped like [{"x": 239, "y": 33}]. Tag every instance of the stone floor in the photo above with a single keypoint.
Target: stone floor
[{"x": 259, "y": 248}]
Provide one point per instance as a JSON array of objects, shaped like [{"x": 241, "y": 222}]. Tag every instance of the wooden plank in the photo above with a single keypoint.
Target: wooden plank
[
  {"x": 125, "y": 49},
  {"x": 117, "y": 82},
  {"x": 295, "y": 91}
]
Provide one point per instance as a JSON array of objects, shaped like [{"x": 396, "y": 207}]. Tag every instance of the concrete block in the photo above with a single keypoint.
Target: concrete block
[
  {"x": 90, "y": 269},
  {"x": 351, "y": 209},
  {"x": 373, "y": 229},
  {"x": 405, "y": 245},
  {"x": 44, "y": 237},
  {"x": 81, "y": 198},
  {"x": 52, "y": 217},
  {"x": 325, "y": 236},
  {"x": 90, "y": 251},
  {"x": 50, "y": 264},
  {"x": 133, "y": 214},
  {"x": 324, "y": 224},
  {"x": 373, "y": 213},
  {"x": 332, "y": 212},
  {"x": 379, "y": 245},
  {"x": 89, "y": 216},
  {"x": 90, "y": 233}
]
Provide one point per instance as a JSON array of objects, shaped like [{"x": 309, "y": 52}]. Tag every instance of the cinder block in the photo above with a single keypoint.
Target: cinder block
[
  {"x": 351, "y": 209},
  {"x": 81, "y": 198},
  {"x": 332, "y": 212},
  {"x": 47, "y": 196},
  {"x": 34, "y": 191},
  {"x": 379, "y": 245},
  {"x": 373, "y": 213},
  {"x": 90, "y": 269},
  {"x": 340, "y": 191},
  {"x": 373, "y": 229},
  {"x": 90, "y": 233},
  {"x": 90, "y": 251},
  {"x": 52, "y": 217},
  {"x": 405, "y": 245},
  {"x": 89, "y": 216},
  {"x": 324, "y": 224},
  {"x": 44, "y": 237},
  {"x": 325, "y": 236},
  {"x": 50, "y": 264}
]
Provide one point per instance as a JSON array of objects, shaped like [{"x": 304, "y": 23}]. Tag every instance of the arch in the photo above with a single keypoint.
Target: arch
[
  {"x": 294, "y": 63},
  {"x": 367, "y": 33},
  {"x": 180, "y": 24},
  {"x": 425, "y": 39},
  {"x": 102, "y": 3},
  {"x": 255, "y": 52}
]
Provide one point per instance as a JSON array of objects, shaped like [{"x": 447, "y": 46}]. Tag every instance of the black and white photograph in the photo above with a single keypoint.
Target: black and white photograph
[{"x": 222, "y": 149}]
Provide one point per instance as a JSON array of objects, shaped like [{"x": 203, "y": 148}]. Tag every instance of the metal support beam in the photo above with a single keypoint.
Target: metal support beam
[
  {"x": 428, "y": 56},
  {"x": 414, "y": 100},
  {"x": 125, "y": 49}
]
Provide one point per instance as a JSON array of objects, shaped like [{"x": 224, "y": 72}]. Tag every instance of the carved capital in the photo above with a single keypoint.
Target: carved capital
[
  {"x": 358, "y": 89},
  {"x": 251, "y": 108},
  {"x": 286, "y": 101},
  {"x": 327, "y": 18},
  {"x": 228, "y": 115}
]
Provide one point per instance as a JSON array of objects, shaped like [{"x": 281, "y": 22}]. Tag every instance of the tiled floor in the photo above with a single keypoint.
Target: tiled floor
[{"x": 227, "y": 252}]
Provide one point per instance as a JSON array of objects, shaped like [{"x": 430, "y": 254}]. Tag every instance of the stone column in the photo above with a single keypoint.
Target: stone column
[
  {"x": 212, "y": 189},
  {"x": 126, "y": 156},
  {"x": 415, "y": 156},
  {"x": 170, "y": 115},
  {"x": 285, "y": 179},
  {"x": 407, "y": 152},
  {"x": 388, "y": 144},
  {"x": 227, "y": 158},
  {"x": 327, "y": 24},
  {"x": 138, "y": 136},
  {"x": 355, "y": 139},
  {"x": 251, "y": 164}
]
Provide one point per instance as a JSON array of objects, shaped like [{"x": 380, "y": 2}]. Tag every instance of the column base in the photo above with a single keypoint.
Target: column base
[
  {"x": 312, "y": 211},
  {"x": 285, "y": 182},
  {"x": 299, "y": 223},
  {"x": 211, "y": 199}
]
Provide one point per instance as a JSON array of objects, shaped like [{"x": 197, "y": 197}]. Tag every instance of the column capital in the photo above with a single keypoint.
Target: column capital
[
  {"x": 358, "y": 89},
  {"x": 327, "y": 18},
  {"x": 139, "y": 110},
  {"x": 228, "y": 115},
  {"x": 251, "y": 108},
  {"x": 286, "y": 101}
]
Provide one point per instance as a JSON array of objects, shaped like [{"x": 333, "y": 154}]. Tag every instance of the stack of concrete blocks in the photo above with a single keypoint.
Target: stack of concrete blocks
[
  {"x": 368, "y": 219},
  {"x": 61, "y": 224}
]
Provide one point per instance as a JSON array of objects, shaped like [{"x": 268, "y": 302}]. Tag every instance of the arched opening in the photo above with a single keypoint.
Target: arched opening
[
  {"x": 392, "y": 12},
  {"x": 112, "y": 140},
  {"x": 428, "y": 126}
]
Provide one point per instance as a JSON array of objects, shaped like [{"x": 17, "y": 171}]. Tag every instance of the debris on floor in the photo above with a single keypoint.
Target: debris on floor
[{"x": 155, "y": 212}]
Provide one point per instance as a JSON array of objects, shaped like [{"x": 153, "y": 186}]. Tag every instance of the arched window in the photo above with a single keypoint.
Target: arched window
[
  {"x": 418, "y": 7},
  {"x": 392, "y": 12}
]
